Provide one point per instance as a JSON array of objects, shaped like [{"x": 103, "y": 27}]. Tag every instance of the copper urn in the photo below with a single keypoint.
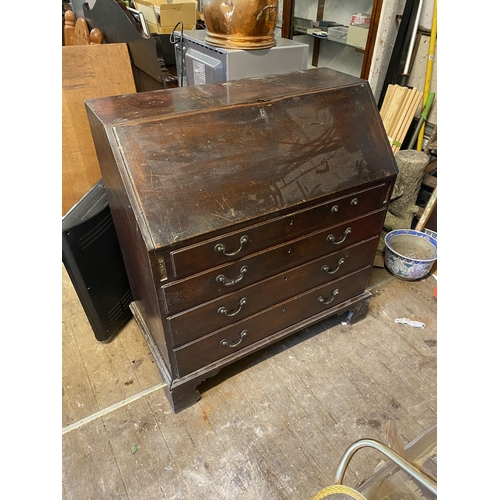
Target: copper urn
[{"x": 240, "y": 24}]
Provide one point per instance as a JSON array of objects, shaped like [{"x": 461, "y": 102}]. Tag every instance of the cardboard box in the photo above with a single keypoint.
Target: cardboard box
[
  {"x": 360, "y": 19},
  {"x": 147, "y": 8},
  {"x": 357, "y": 36},
  {"x": 162, "y": 15}
]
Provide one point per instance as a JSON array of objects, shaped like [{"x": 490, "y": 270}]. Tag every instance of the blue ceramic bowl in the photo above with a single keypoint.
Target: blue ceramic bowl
[{"x": 409, "y": 254}]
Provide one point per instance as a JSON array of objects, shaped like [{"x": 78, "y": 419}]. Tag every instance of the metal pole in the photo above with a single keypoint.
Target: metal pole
[
  {"x": 421, "y": 122},
  {"x": 392, "y": 455},
  {"x": 430, "y": 65},
  {"x": 406, "y": 69}
]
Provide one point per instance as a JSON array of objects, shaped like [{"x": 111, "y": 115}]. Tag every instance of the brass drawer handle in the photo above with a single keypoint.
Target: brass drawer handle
[
  {"x": 330, "y": 300},
  {"x": 222, "y": 248},
  {"x": 331, "y": 238},
  {"x": 334, "y": 209},
  {"x": 354, "y": 201},
  {"x": 223, "y": 310},
  {"x": 225, "y": 342},
  {"x": 229, "y": 282},
  {"x": 329, "y": 270}
]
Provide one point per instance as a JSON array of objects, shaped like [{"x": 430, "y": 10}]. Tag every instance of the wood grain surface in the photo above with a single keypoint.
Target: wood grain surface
[
  {"x": 88, "y": 71},
  {"x": 271, "y": 426}
]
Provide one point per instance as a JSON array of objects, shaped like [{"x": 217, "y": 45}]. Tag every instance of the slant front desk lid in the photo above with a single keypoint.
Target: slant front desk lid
[{"x": 199, "y": 159}]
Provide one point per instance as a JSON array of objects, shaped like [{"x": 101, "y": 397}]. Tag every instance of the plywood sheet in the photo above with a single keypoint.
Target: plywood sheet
[{"x": 88, "y": 72}]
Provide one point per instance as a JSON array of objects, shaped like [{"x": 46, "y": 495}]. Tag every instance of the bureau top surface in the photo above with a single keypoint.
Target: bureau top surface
[{"x": 198, "y": 160}]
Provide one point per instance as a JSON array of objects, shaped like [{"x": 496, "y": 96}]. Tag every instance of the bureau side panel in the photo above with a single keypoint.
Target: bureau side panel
[{"x": 139, "y": 260}]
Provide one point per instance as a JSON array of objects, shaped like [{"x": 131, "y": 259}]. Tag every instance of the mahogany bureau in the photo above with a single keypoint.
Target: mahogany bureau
[{"x": 245, "y": 211}]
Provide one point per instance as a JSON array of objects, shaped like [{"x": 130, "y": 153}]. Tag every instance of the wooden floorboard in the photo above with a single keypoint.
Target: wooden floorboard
[
  {"x": 97, "y": 375},
  {"x": 89, "y": 466},
  {"x": 272, "y": 426}
]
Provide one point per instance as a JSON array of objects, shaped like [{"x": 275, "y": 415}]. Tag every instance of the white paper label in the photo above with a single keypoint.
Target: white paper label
[{"x": 199, "y": 73}]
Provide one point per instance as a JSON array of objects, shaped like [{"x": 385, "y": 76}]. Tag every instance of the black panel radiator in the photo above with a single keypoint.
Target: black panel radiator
[{"x": 92, "y": 257}]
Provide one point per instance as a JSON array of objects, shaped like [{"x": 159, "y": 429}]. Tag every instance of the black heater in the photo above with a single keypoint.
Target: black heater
[{"x": 93, "y": 260}]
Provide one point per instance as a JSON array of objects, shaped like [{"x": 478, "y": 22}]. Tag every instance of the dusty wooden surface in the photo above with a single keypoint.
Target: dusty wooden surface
[{"x": 272, "y": 426}]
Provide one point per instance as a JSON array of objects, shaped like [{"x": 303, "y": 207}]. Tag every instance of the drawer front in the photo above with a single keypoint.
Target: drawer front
[
  {"x": 203, "y": 287},
  {"x": 227, "y": 248},
  {"x": 194, "y": 323},
  {"x": 259, "y": 326}
]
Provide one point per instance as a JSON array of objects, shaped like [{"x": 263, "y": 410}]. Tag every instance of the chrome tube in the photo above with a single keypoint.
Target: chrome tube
[
  {"x": 406, "y": 69},
  {"x": 389, "y": 453}
]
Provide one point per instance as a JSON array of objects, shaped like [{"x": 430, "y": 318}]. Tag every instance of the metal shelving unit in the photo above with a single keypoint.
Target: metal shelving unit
[{"x": 287, "y": 31}]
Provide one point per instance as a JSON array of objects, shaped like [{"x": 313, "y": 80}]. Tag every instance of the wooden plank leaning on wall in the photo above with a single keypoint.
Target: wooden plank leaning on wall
[{"x": 88, "y": 72}]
